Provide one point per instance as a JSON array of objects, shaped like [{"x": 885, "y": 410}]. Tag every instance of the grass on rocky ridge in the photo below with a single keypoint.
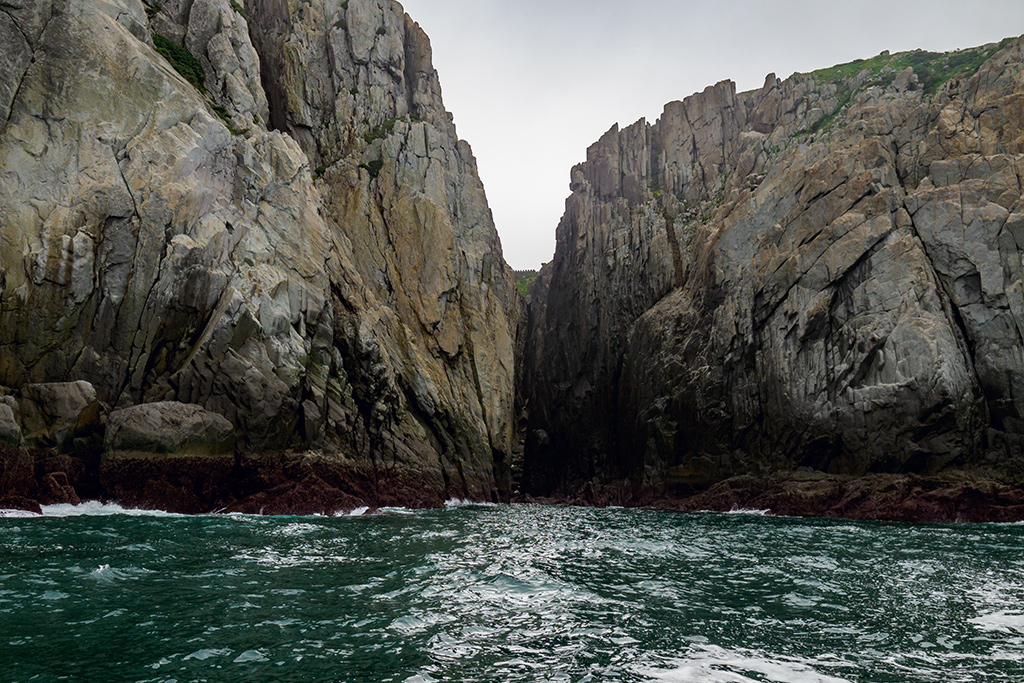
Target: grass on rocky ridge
[
  {"x": 933, "y": 70},
  {"x": 374, "y": 167}
]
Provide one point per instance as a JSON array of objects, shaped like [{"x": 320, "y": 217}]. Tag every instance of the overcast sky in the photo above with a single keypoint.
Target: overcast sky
[{"x": 533, "y": 83}]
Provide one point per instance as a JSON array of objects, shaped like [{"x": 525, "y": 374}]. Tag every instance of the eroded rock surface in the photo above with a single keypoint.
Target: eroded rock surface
[
  {"x": 298, "y": 242},
  {"x": 822, "y": 274}
]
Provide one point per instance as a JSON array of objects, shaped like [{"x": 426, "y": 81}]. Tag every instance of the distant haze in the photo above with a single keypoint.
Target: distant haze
[{"x": 533, "y": 83}]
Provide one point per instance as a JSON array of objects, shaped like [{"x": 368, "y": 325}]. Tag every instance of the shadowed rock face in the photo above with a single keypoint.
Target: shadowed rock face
[
  {"x": 303, "y": 247},
  {"x": 824, "y": 274}
]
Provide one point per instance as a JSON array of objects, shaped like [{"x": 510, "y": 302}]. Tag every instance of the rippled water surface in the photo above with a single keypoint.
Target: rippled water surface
[{"x": 506, "y": 593}]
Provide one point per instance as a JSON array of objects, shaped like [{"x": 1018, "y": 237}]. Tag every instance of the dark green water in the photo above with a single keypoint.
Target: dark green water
[{"x": 502, "y": 593}]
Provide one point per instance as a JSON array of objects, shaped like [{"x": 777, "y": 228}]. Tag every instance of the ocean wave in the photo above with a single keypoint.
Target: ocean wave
[
  {"x": 398, "y": 511},
  {"x": 17, "y": 514},
  {"x": 464, "y": 503},
  {"x": 107, "y": 574},
  {"x": 88, "y": 509},
  {"x": 94, "y": 508},
  {"x": 749, "y": 511}
]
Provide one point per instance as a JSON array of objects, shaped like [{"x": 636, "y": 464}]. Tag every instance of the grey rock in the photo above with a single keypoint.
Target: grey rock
[
  {"x": 48, "y": 411},
  {"x": 326, "y": 275},
  {"x": 219, "y": 35},
  {"x": 775, "y": 280},
  {"x": 169, "y": 427},
  {"x": 10, "y": 430}
]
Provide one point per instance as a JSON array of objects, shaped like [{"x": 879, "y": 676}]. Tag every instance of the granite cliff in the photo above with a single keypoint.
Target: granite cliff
[
  {"x": 821, "y": 277},
  {"x": 245, "y": 261}
]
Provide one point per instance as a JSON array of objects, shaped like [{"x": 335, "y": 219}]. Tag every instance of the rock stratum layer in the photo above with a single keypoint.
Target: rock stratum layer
[
  {"x": 290, "y": 252},
  {"x": 823, "y": 275}
]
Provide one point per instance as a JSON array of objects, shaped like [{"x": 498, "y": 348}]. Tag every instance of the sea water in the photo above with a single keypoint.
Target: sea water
[{"x": 506, "y": 593}]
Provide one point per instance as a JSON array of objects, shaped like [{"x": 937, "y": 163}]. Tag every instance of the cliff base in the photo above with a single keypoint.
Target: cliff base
[{"x": 954, "y": 496}]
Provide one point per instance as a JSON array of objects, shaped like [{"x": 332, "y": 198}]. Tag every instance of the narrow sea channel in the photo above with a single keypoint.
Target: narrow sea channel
[{"x": 506, "y": 593}]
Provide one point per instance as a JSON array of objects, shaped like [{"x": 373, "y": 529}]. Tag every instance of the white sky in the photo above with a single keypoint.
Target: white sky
[{"x": 533, "y": 83}]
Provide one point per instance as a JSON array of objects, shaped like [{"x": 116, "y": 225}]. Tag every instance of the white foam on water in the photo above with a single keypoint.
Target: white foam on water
[
  {"x": 718, "y": 665},
  {"x": 94, "y": 508},
  {"x": 17, "y": 514},
  {"x": 297, "y": 529},
  {"x": 359, "y": 512},
  {"x": 251, "y": 656},
  {"x": 397, "y": 511},
  {"x": 1004, "y": 621},
  {"x": 750, "y": 511},
  {"x": 203, "y": 655},
  {"x": 464, "y": 503},
  {"x": 107, "y": 574},
  {"x": 421, "y": 678}
]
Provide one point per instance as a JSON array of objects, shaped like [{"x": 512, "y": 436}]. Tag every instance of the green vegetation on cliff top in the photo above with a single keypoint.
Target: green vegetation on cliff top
[{"x": 933, "y": 70}]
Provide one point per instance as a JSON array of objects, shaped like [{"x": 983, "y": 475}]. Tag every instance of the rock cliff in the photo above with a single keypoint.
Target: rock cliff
[
  {"x": 259, "y": 211},
  {"x": 824, "y": 274}
]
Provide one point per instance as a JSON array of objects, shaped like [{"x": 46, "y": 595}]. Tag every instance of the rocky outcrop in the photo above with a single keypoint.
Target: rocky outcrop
[
  {"x": 823, "y": 274},
  {"x": 263, "y": 210},
  {"x": 10, "y": 430},
  {"x": 48, "y": 412},
  {"x": 169, "y": 427}
]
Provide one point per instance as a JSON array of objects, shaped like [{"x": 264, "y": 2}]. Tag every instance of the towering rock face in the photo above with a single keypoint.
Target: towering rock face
[
  {"x": 825, "y": 273},
  {"x": 295, "y": 240}
]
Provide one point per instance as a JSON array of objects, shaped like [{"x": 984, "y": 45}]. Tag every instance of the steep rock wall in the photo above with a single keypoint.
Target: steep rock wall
[
  {"x": 824, "y": 273},
  {"x": 298, "y": 242}
]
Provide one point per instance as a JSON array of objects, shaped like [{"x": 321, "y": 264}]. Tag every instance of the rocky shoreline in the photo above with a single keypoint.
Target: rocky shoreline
[
  {"x": 958, "y": 496},
  {"x": 313, "y": 483},
  {"x": 269, "y": 484},
  {"x": 59, "y": 444}
]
